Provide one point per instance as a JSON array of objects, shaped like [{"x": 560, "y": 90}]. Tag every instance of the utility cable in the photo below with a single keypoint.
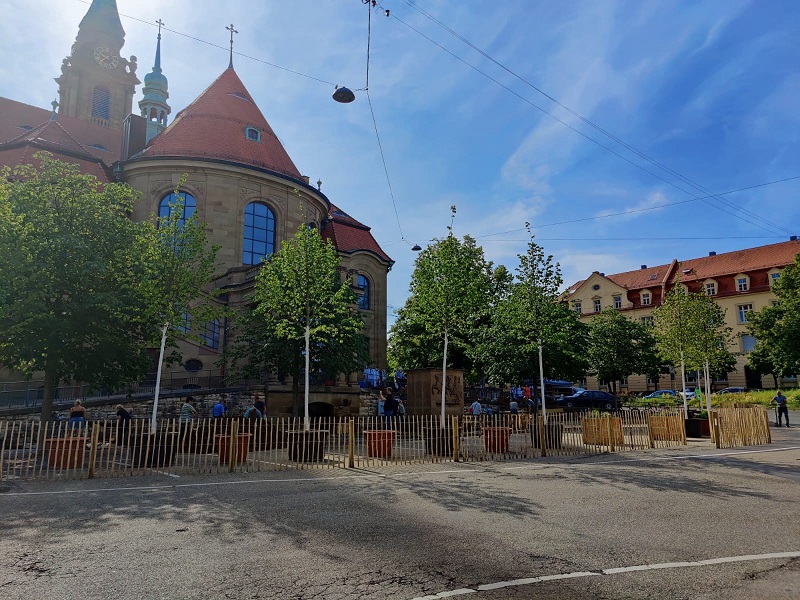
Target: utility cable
[{"x": 706, "y": 199}]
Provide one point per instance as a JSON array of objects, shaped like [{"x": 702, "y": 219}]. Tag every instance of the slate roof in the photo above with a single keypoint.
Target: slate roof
[
  {"x": 349, "y": 235},
  {"x": 213, "y": 127}
]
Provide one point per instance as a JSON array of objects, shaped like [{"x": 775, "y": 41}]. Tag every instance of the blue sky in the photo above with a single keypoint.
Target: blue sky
[{"x": 709, "y": 89}]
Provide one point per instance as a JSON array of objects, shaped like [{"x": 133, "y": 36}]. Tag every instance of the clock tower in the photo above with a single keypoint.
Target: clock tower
[{"x": 96, "y": 83}]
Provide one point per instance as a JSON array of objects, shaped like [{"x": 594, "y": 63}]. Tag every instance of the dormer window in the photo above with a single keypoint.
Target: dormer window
[
  {"x": 711, "y": 288},
  {"x": 774, "y": 277},
  {"x": 252, "y": 134},
  {"x": 646, "y": 298},
  {"x": 742, "y": 283}
]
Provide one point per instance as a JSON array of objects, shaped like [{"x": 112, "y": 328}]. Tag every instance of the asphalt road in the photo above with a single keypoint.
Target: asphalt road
[{"x": 485, "y": 531}]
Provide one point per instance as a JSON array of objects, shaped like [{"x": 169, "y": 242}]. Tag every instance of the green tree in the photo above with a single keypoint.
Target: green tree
[
  {"x": 179, "y": 266},
  {"x": 777, "y": 329},
  {"x": 690, "y": 330},
  {"x": 71, "y": 303},
  {"x": 305, "y": 317},
  {"x": 619, "y": 347},
  {"x": 450, "y": 294}
]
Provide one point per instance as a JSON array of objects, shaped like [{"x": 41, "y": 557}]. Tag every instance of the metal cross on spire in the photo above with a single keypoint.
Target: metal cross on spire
[
  {"x": 160, "y": 24},
  {"x": 232, "y": 30}
]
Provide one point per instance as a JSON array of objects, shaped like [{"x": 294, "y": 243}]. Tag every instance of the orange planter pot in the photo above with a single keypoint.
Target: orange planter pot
[
  {"x": 497, "y": 438},
  {"x": 379, "y": 442},
  {"x": 66, "y": 452},
  {"x": 242, "y": 447}
]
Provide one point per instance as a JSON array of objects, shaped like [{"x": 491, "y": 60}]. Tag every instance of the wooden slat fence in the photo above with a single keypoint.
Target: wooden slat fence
[
  {"x": 734, "y": 427},
  {"x": 212, "y": 446}
]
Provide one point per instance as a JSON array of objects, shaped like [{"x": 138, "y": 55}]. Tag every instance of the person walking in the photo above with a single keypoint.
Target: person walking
[
  {"x": 188, "y": 411},
  {"x": 389, "y": 405},
  {"x": 219, "y": 409},
  {"x": 783, "y": 408}
]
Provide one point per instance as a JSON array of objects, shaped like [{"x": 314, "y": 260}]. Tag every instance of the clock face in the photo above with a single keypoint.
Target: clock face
[{"x": 106, "y": 58}]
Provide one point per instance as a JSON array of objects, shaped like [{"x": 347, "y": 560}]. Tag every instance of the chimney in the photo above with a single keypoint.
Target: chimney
[
  {"x": 134, "y": 135},
  {"x": 306, "y": 178},
  {"x": 793, "y": 238},
  {"x": 602, "y": 274},
  {"x": 644, "y": 266},
  {"x": 712, "y": 253}
]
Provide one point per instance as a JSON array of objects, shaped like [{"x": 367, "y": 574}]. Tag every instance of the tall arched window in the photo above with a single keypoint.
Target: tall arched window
[
  {"x": 259, "y": 233},
  {"x": 101, "y": 102},
  {"x": 363, "y": 298},
  {"x": 210, "y": 334},
  {"x": 189, "y": 206}
]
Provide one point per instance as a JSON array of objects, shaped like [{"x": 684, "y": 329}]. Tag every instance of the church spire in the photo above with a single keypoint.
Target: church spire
[
  {"x": 103, "y": 18},
  {"x": 153, "y": 105}
]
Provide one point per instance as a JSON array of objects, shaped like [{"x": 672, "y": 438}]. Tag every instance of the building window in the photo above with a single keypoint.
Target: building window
[
  {"x": 193, "y": 365},
  {"x": 363, "y": 287},
  {"x": 748, "y": 343},
  {"x": 597, "y": 306},
  {"x": 169, "y": 201},
  {"x": 210, "y": 334},
  {"x": 711, "y": 289},
  {"x": 576, "y": 306},
  {"x": 773, "y": 278},
  {"x": 185, "y": 324},
  {"x": 617, "y": 302},
  {"x": 252, "y": 134},
  {"x": 648, "y": 320},
  {"x": 742, "y": 284},
  {"x": 743, "y": 309},
  {"x": 645, "y": 298},
  {"x": 259, "y": 233},
  {"x": 101, "y": 102}
]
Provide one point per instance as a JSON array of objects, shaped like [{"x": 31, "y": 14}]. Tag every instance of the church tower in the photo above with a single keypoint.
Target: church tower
[
  {"x": 96, "y": 83},
  {"x": 154, "y": 105}
]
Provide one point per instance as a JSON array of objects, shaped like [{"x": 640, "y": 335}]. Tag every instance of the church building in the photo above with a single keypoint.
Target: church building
[{"x": 241, "y": 181}]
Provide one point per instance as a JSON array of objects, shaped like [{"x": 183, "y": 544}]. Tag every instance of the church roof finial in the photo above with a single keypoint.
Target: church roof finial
[
  {"x": 232, "y": 30},
  {"x": 54, "y": 104}
]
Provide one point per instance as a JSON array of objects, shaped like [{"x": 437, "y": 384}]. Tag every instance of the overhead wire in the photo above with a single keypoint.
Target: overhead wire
[{"x": 672, "y": 172}]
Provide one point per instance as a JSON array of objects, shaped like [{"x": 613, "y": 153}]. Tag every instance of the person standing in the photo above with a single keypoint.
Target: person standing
[
  {"x": 188, "y": 411},
  {"x": 219, "y": 409},
  {"x": 783, "y": 408},
  {"x": 261, "y": 406},
  {"x": 389, "y": 403},
  {"x": 77, "y": 415},
  {"x": 476, "y": 409}
]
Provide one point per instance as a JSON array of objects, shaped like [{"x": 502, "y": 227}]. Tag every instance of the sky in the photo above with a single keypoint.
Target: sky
[{"x": 560, "y": 114}]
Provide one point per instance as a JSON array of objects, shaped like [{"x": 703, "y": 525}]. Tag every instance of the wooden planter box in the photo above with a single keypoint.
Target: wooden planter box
[
  {"x": 697, "y": 428},
  {"x": 66, "y": 452},
  {"x": 596, "y": 431},
  {"x": 307, "y": 446},
  {"x": 497, "y": 438},
  {"x": 241, "y": 450},
  {"x": 379, "y": 442}
]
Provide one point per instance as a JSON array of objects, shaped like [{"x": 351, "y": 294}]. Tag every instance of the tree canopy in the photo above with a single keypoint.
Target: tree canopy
[
  {"x": 71, "y": 296},
  {"x": 301, "y": 287}
]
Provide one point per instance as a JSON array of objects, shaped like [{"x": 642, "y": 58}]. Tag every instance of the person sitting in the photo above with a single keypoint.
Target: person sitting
[{"x": 77, "y": 415}]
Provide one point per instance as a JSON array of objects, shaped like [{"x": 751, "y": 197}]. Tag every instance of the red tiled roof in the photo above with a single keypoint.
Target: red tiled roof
[
  {"x": 23, "y": 155},
  {"x": 16, "y": 117},
  {"x": 213, "y": 127},
  {"x": 349, "y": 235},
  {"x": 708, "y": 267}
]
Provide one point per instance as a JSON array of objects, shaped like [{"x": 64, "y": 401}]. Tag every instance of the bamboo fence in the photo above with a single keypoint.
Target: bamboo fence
[
  {"x": 101, "y": 449},
  {"x": 733, "y": 427}
]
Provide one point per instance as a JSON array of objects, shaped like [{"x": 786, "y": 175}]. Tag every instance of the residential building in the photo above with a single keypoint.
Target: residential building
[
  {"x": 241, "y": 181},
  {"x": 739, "y": 281}
]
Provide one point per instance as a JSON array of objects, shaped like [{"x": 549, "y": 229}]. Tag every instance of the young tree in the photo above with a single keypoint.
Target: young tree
[
  {"x": 179, "y": 265},
  {"x": 450, "y": 293},
  {"x": 71, "y": 303},
  {"x": 619, "y": 347},
  {"x": 777, "y": 328},
  {"x": 305, "y": 317}
]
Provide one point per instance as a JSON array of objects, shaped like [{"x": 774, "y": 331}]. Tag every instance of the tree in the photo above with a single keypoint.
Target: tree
[
  {"x": 71, "y": 303},
  {"x": 305, "y": 317},
  {"x": 619, "y": 347},
  {"x": 450, "y": 293},
  {"x": 179, "y": 265},
  {"x": 777, "y": 328},
  {"x": 690, "y": 330}
]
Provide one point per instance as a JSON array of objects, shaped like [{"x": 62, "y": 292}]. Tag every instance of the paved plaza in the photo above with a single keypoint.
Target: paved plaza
[{"x": 681, "y": 523}]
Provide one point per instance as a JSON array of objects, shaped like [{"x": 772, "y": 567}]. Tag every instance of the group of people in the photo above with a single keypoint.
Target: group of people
[
  {"x": 527, "y": 405},
  {"x": 256, "y": 410}
]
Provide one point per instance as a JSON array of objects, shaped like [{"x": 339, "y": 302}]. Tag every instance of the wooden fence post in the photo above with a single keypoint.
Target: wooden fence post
[
  {"x": 542, "y": 442},
  {"x": 714, "y": 416},
  {"x": 93, "y": 449},
  {"x": 233, "y": 455},
  {"x": 351, "y": 443},
  {"x": 455, "y": 438},
  {"x": 766, "y": 425},
  {"x": 650, "y": 432},
  {"x": 610, "y": 428}
]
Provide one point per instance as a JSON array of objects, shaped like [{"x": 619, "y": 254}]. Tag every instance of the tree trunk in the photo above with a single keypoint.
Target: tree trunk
[
  {"x": 158, "y": 378},
  {"x": 47, "y": 400}
]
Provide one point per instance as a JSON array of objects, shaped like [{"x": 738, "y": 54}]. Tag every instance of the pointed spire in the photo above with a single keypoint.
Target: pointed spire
[
  {"x": 153, "y": 105},
  {"x": 232, "y": 30},
  {"x": 157, "y": 64},
  {"x": 103, "y": 17}
]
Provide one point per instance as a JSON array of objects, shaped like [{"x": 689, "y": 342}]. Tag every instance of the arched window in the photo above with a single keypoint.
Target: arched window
[
  {"x": 101, "y": 102},
  {"x": 363, "y": 287},
  {"x": 259, "y": 233},
  {"x": 189, "y": 206},
  {"x": 210, "y": 334}
]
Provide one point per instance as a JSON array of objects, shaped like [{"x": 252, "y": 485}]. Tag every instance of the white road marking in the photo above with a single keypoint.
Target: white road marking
[{"x": 614, "y": 571}]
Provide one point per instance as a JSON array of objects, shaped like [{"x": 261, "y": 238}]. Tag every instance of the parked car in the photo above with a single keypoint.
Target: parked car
[
  {"x": 690, "y": 392},
  {"x": 588, "y": 399},
  {"x": 731, "y": 390},
  {"x": 661, "y": 394}
]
